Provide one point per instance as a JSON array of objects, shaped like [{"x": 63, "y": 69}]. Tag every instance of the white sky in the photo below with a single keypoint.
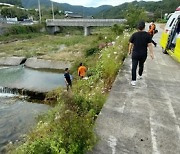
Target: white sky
[{"x": 95, "y": 3}]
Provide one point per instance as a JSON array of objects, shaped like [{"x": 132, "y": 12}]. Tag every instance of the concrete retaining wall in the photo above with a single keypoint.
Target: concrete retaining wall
[
  {"x": 46, "y": 64},
  {"x": 12, "y": 61}
]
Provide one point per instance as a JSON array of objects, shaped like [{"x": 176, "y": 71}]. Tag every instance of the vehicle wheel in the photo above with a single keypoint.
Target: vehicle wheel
[{"x": 164, "y": 51}]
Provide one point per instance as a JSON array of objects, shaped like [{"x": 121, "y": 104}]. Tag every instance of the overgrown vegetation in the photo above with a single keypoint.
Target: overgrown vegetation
[
  {"x": 20, "y": 29},
  {"x": 68, "y": 127}
]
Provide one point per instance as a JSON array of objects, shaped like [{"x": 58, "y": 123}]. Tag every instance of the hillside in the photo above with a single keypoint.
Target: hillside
[
  {"x": 87, "y": 11},
  {"x": 164, "y": 6}
]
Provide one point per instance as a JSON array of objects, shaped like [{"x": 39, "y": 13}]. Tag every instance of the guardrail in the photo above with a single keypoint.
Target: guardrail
[{"x": 84, "y": 22}]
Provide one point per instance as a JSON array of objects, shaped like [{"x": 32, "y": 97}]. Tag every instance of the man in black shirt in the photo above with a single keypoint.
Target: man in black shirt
[
  {"x": 139, "y": 42},
  {"x": 67, "y": 79}
]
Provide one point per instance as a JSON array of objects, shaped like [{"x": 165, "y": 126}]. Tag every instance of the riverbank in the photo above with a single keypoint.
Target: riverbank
[{"x": 68, "y": 127}]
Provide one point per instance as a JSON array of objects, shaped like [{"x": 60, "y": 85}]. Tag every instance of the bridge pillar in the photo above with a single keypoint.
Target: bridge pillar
[
  {"x": 53, "y": 30},
  {"x": 86, "y": 31}
]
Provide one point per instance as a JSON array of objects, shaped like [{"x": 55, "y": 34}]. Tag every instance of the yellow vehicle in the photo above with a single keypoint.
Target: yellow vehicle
[{"x": 170, "y": 39}]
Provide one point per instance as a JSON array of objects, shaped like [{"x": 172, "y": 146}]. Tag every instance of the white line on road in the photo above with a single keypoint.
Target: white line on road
[
  {"x": 112, "y": 143},
  {"x": 153, "y": 135}
]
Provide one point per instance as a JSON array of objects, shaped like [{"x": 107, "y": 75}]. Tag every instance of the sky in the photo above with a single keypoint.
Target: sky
[{"x": 95, "y": 3}]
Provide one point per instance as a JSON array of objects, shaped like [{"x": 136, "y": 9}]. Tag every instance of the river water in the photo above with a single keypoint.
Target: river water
[
  {"x": 17, "y": 116},
  {"x": 20, "y": 77}
]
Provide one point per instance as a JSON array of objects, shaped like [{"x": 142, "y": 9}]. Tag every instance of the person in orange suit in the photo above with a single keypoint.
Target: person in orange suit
[
  {"x": 82, "y": 70},
  {"x": 151, "y": 31}
]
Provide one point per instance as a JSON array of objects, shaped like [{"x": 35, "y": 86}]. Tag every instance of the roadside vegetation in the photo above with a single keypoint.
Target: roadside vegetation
[{"x": 69, "y": 127}]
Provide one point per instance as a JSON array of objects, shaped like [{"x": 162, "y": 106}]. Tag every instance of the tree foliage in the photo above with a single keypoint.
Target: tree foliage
[
  {"x": 13, "y": 12},
  {"x": 134, "y": 15},
  {"x": 158, "y": 8}
]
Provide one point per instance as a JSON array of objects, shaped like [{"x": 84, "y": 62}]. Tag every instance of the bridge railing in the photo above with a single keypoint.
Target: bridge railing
[{"x": 84, "y": 22}]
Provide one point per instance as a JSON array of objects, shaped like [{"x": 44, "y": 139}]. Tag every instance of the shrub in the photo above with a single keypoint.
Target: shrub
[
  {"x": 118, "y": 29},
  {"x": 91, "y": 51},
  {"x": 162, "y": 21},
  {"x": 66, "y": 133},
  {"x": 19, "y": 29},
  {"x": 134, "y": 15}
]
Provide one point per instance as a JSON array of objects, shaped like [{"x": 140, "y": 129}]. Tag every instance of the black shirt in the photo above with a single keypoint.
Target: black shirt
[
  {"x": 67, "y": 77},
  {"x": 140, "y": 41}
]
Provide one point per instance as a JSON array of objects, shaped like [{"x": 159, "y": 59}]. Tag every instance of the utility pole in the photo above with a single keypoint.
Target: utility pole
[
  {"x": 52, "y": 9},
  {"x": 39, "y": 6}
]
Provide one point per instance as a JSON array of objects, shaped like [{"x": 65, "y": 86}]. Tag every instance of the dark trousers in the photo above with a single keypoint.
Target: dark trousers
[
  {"x": 69, "y": 85},
  {"x": 135, "y": 62},
  {"x": 153, "y": 41}
]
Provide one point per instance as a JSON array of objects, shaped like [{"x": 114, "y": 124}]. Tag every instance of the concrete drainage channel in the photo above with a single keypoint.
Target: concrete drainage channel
[
  {"x": 34, "y": 95},
  {"x": 35, "y": 64}
]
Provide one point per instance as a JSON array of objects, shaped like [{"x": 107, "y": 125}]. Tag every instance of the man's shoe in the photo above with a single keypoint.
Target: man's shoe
[
  {"x": 133, "y": 83},
  {"x": 139, "y": 77}
]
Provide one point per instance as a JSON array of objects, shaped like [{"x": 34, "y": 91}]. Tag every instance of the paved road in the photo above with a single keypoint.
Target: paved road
[{"x": 144, "y": 119}]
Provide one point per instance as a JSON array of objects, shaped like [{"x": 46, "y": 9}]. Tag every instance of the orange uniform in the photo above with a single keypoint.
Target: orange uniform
[
  {"x": 152, "y": 28},
  {"x": 82, "y": 71}
]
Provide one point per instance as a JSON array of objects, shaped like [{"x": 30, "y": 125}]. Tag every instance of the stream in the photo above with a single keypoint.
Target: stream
[{"x": 17, "y": 115}]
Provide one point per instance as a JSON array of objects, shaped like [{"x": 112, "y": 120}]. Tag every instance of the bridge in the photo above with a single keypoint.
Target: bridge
[{"x": 54, "y": 24}]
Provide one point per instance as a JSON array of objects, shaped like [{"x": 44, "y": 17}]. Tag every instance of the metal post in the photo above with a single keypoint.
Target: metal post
[{"x": 39, "y": 6}]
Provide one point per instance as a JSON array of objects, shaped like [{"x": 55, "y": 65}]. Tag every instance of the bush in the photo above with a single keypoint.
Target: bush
[
  {"x": 134, "y": 15},
  {"x": 66, "y": 132},
  {"x": 91, "y": 51},
  {"x": 20, "y": 29},
  {"x": 161, "y": 21},
  {"x": 118, "y": 29}
]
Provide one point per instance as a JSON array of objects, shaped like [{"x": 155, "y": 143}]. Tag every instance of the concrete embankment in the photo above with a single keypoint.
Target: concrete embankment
[
  {"x": 144, "y": 119},
  {"x": 46, "y": 64},
  {"x": 12, "y": 61},
  {"x": 34, "y": 63}
]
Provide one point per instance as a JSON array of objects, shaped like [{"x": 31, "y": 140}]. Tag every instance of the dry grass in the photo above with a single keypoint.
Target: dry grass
[{"x": 48, "y": 47}]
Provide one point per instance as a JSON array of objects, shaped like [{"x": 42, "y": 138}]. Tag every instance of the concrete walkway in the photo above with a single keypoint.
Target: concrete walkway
[{"x": 144, "y": 119}]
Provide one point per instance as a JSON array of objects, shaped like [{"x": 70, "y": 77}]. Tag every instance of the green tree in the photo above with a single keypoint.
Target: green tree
[
  {"x": 13, "y": 12},
  {"x": 134, "y": 15}
]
